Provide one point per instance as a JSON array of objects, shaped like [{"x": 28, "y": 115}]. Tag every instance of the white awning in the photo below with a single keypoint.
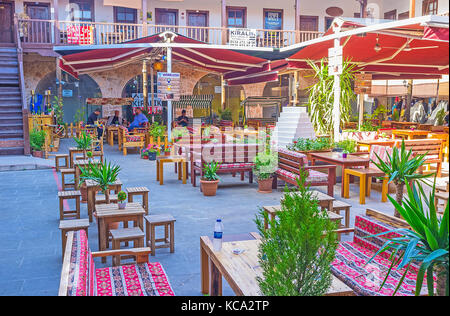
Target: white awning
[{"x": 135, "y": 4}]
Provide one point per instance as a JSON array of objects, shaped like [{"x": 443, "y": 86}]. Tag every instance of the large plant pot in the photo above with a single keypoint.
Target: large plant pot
[
  {"x": 209, "y": 188},
  {"x": 37, "y": 153},
  {"x": 83, "y": 190},
  {"x": 265, "y": 186}
]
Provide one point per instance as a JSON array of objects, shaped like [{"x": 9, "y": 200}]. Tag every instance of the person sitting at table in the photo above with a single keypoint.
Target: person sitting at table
[
  {"x": 94, "y": 118},
  {"x": 183, "y": 120},
  {"x": 115, "y": 119},
  {"x": 139, "y": 120}
]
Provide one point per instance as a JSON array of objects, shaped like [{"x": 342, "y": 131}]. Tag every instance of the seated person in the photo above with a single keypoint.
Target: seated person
[
  {"x": 139, "y": 120},
  {"x": 183, "y": 120},
  {"x": 115, "y": 119},
  {"x": 94, "y": 118}
]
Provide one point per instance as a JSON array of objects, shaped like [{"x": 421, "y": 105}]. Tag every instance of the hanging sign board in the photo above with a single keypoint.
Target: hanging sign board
[
  {"x": 168, "y": 86},
  {"x": 335, "y": 60},
  {"x": 80, "y": 34},
  {"x": 242, "y": 37},
  {"x": 363, "y": 84}
]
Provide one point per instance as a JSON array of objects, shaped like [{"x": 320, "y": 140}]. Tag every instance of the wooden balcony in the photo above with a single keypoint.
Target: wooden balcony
[{"x": 46, "y": 33}]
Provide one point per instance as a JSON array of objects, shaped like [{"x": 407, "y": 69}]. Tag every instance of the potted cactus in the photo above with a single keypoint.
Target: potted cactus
[
  {"x": 210, "y": 180},
  {"x": 121, "y": 197}
]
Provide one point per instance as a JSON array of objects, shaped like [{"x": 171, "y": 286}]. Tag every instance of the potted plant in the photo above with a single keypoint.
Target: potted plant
[
  {"x": 308, "y": 146},
  {"x": 210, "y": 180},
  {"x": 37, "y": 142},
  {"x": 345, "y": 153},
  {"x": 348, "y": 146},
  {"x": 401, "y": 167},
  {"x": 265, "y": 166},
  {"x": 426, "y": 243},
  {"x": 84, "y": 142},
  {"x": 297, "y": 249},
  {"x": 144, "y": 154},
  {"x": 152, "y": 151},
  {"x": 121, "y": 197}
]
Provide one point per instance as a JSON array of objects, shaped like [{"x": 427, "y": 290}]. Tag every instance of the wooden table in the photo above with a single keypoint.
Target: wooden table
[
  {"x": 402, "y": 125},
  {"x": 273, "y": 210},
  {"x": 410, "y": 134},
  {"x": 377, "y": 142},
  {"x": 110, "y": 131},
  {"x": 179, "y": 160},
  {"x": 110, "y": 213},
  {"x": 72, "y": 152},
  {"x": 336, "y": 159},
  {"x": 241, "y": 271},
  {"x": 93, "y": 188},
  {"x": 83, "y": 163}
]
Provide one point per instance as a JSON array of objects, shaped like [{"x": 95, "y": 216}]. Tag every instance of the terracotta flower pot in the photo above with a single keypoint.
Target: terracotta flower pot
[
  {"x": 265, "y": 186},
  {"x": 209, "y": 188},
  {"x": 37, "y": 153}
]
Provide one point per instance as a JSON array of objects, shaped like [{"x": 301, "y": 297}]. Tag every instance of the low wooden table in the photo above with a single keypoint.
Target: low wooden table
[
  {"x": 336, "y": 159},
  {"x": 179, "y": 160},
  {"x": 110, "y": 213},
  {"x": 241, "y": 271},
  {"x": 410, "y": 134},
  {"x": 110, "y": 131},
  {"x": 93, "y": 188},
  {"x": 82, "y": 163}
]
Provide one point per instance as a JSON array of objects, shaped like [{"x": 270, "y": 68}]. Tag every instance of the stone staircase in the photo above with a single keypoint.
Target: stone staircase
[
  {"x": 293, "y": 123},
  {"x": 11, "y": 122}
]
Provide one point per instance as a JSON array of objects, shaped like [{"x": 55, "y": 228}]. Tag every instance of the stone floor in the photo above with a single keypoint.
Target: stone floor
[{"x": 30, "y": 241}]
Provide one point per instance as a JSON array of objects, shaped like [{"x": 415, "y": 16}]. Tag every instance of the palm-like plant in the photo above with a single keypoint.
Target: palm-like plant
[
  {"x": 321, "y": 96},
  {"x": 426, "y": 244},
  {"x": 401, "y": 167},
  {"x": 103, "y": 174},
  {"x": 210, "y": 171},
  {"x": 84, "y": 142}
]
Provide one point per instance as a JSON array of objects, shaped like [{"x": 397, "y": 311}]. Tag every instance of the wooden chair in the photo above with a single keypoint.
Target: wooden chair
[
  {"x": 365, "y": 175},
  {"x": 130, "y": 140},
  {"x": 431, "y": 147}
]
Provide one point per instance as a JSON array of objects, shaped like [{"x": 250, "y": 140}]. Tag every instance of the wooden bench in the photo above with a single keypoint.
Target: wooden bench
[
  {"x": 78, "y": 271},
  {"x": 130, "y": 140},
  {"x": 289, "y": 165},
  {"x": 431, "y": 147},
  {"x": 350, "y": 264}
]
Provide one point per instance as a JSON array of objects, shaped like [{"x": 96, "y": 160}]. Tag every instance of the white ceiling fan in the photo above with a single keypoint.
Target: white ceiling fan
[{"x": 407, "y": 48}]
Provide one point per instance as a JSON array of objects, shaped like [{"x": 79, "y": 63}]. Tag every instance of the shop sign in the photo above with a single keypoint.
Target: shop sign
[
  {"x": 168, "y": 86},
  {"x": 242, "y": 37}
]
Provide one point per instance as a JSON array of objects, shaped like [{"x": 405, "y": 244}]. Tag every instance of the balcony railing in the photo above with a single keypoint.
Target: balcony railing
[{"x": 98, "y": 33}]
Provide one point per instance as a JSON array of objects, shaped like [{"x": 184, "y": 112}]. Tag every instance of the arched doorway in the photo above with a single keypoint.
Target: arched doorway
[
  {"x": 134, "y": 89},
  {"x": 211, "y": 84},
  {"x": 74, "y": 93}
]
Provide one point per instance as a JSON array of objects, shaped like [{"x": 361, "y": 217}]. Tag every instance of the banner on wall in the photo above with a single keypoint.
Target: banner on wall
[
  {"x": 80, "y": 34},
  {"x": 242, "y": 37},
  {"x": 273, "y": 20}
]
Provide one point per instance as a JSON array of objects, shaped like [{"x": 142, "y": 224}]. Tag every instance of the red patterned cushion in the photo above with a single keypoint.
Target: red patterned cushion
[
  {"x": 235, "y": 165},
  {"x": 133, "y": 139},
  {"x": 350, "y": 266},
  {"x": 294, "y": 154},
  {"x": 148, "y": 279},
  {"x": 313, "y": 176},
  {"x": 82, "y": 267}
]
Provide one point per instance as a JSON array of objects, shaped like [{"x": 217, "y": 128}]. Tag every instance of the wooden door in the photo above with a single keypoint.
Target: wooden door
[
  {"x": 166, "y": 17},
  {"x": 309, "y": 23},
  {"x": 38, "y": 31},
  {"x": 200, "y": 19},
  {"x": 6, "y": 22}
]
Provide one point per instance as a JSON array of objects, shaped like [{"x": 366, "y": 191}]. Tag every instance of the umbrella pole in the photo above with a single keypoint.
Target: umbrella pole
[{"x": 169, "y": 102}]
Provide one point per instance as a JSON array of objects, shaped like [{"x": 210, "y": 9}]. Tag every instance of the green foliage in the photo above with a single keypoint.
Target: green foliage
[
  {"x": 401, "y": 166},
  {"x": 80, "y": 115},
  {"x": 440, "y": 117},
  {"x": 84, "y": 142},
  {"x": 321, "y": 96},
  {"x": 121, "y": 196},
  {"x": 104, "y": 174},
  {"x": 296, "y": 251},
  {"x": 427, "y": 244},
  {"x": 226, "y": 114},
  {"x": 367, "y": 125},
  {"x": 179, "y": 132},
  {"x": 57, "y": 107},
  {"x": 157, "y": 130},
  {"x": 347, "y": 145},
  {"x": 89, "y": 154},
  {"x": 37, "y": 139},
  {"x": 210, "y": 171},
  {"x": 306, "y": 144},
  {"x": 265, "y": 165}
]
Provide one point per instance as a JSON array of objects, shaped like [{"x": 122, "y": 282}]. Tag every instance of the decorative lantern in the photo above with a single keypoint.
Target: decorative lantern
[{"x": 158, "y": 66}]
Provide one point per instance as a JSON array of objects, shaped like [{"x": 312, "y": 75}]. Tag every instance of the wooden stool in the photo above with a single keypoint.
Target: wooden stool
[
  {"x": 69, "y": 195},
  {"x": 139, "y": 191},
  {"x": 339, "y": 206},
  {"x": 65, "y": 172},
  {"x": 66, "y": 160},
  {"x": 179, "y": 160},
  {"x": 101, "y": 199},
  {"x": 134, "y": 234},
  {"x": 72, "y": 225},
  {"x": 440, "y": 196},
  {"x": 166, "y": 220}
]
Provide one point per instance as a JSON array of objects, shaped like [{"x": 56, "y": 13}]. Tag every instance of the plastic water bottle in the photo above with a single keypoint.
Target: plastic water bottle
[{"x": 218, "y": 231}]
